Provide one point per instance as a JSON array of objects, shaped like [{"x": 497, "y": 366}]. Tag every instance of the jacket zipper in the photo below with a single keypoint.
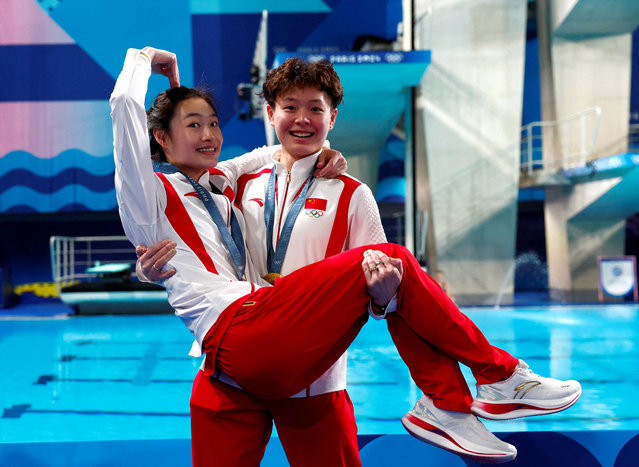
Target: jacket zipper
[{"x": 279, "y": 226}]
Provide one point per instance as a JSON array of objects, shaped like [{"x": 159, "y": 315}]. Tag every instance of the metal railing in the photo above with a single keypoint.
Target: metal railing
[
  {"x": 71, "y": 257},
  {"x": 422, "y": 29},
  {"x": 633, "y": 137},
  {"x": 571, "y": 140}
]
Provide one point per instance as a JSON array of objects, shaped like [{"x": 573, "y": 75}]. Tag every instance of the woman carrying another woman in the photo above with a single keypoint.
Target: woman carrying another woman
[{"x": 275, "y": 341}]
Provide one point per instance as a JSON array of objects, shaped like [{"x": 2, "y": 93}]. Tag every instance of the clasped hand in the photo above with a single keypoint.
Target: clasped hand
[{"x": 383, "y": 276}]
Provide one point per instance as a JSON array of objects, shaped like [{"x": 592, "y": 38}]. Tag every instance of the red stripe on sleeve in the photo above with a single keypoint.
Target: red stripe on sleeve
[
  {"x": 228, "y": 192},
  {"x": 340, "y": 225},
  {"x": 243, "y": 180},
  {"x": 215, "y": 171},
  {"x": 183, "y": 224}
]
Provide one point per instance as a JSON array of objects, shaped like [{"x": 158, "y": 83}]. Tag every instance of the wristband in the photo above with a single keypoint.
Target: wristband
[
  {"x": 378, "y": 309},
  {"x": 381, "y": 311}
]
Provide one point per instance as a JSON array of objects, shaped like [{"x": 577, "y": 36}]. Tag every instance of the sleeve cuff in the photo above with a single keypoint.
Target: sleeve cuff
[
  {"x": 390, "y": 308},
  {"x": 142, "y": 52}
]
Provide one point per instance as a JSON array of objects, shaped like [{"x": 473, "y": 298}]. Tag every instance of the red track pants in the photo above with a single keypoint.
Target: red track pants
[
  {"x": 231, "y": 428},
  {"x": 280, "y": 339}
]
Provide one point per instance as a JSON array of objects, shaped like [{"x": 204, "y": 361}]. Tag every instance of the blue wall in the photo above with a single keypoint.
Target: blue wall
[
  {"x": 55, "y": 151},
  {"x": 56, "y": 164}
]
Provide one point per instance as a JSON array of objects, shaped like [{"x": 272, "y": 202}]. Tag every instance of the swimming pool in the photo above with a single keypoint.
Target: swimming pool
[
  {"x": 598, "y": 345},
  {"x": 106, "y": 378}
]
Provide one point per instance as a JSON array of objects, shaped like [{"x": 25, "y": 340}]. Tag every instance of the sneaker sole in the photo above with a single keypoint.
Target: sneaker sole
[
  {"x": 508, "y": 410},
  {"x": 436, "y": 436}
]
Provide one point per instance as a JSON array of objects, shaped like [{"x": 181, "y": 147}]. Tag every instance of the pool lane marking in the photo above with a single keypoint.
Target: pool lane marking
[
  {"x": 45, "y": 379},
  {"x": 18, "y": 410},
  {"x": 71, "y": 357}
]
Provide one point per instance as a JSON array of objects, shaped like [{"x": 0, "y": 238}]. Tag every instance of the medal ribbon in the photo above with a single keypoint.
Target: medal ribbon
[
  {"x": 275, "y": 258},
  {"x": 234, "y": 241}
]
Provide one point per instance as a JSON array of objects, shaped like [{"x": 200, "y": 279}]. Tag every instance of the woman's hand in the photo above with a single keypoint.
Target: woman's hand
[
  {"x": 164, "y": 63},
  {"x": 383, "y": 276},
  {"x": 151, "y": 261},
  {"x": 330, "y": 164}
]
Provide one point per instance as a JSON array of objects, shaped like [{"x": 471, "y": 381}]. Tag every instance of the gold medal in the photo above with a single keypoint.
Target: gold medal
[{"x": 271, "y": 276}]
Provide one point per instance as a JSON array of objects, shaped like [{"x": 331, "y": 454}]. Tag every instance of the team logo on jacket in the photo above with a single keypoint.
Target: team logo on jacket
[
  {"x": 259, "y": 201},
  {"x": 315, "y": 207}
]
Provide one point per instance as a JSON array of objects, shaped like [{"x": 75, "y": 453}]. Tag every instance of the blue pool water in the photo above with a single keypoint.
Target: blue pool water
[{"x": 129, "y": 377}]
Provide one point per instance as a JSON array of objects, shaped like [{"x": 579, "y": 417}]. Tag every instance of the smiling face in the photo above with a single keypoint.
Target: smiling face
[
  {"x": 194, "y": 138},
  {"x": 302, "y": 118}
]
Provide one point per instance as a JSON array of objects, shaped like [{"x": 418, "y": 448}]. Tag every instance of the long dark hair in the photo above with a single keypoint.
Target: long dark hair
[{"x": 161, "y": 112}]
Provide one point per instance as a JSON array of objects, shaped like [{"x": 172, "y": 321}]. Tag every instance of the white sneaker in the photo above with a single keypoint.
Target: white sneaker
[
  {"x": 524, "y": 394},
  {"x": 457, "y": 432}
]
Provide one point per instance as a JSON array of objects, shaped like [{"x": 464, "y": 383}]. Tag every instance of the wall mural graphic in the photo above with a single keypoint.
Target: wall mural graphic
[{"x": 64, "y": 57}]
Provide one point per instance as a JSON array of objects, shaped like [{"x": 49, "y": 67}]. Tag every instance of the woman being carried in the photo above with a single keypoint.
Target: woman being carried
[{"x": 275, "y": 341}]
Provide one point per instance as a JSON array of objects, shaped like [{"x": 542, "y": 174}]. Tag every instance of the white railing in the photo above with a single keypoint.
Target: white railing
[
  {"x": 571, "y": 140},
  {"x": 422, "y": 29},
  {"x": 72, "y": 257}
]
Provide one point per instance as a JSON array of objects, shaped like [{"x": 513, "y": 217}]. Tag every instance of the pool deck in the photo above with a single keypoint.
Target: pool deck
[{"x": 568, "y": 449}]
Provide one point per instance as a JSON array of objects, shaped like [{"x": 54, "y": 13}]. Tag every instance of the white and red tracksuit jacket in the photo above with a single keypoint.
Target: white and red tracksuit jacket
[
  {"x": 158, "y": 206},
  {"x": 338, "y": 214}
]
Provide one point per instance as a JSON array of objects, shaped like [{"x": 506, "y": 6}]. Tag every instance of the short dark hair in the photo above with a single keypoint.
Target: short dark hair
[
  {"x": 161, "y": 112},
  {"x": 298, "y": 73}
]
